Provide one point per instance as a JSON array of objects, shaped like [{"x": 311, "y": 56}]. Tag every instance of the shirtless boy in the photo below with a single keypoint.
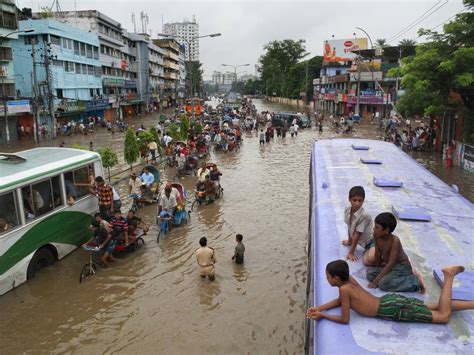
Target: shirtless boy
[
  {"x": 393, "y": 271},
  {"x": 391, "y": 306}
]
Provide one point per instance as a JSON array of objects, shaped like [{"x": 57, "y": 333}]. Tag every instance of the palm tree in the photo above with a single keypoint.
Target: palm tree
[
  {"x": 407, "y": 43},
  {"x": 381, "y": 42}
]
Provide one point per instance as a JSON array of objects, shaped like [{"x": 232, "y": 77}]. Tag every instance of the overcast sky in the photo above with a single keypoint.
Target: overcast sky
[{"x": 246, "y": 26}]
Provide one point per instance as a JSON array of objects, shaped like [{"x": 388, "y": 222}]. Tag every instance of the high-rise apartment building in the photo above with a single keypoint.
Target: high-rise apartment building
[{"x": 186, "y": 32}]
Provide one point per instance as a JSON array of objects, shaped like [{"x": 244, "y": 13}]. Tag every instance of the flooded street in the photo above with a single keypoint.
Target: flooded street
[{"x": 153, "y": 300}]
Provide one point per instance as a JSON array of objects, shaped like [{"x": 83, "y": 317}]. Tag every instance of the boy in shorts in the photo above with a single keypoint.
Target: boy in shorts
[
  {"x": 392, "y": 271},
  {"x": 391, "y": 306},
  {"x": 359, "y": 227}
]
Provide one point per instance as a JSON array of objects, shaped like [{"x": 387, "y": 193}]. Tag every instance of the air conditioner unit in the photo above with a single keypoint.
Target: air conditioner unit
[{"x": 3, "y": 71}]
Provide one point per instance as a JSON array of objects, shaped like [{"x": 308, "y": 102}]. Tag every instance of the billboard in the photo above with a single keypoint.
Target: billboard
[
  {"x": 18, "y": 106},
  {"x": 340, "y": 50}
]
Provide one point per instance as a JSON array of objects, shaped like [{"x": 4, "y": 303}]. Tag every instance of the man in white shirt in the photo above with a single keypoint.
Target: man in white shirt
[
  {"x": 152, "y": 146},
  {"x": 202, "y": 172},
  {"x": 167, "y": 139},
  {"x": 167, "y": 201}
]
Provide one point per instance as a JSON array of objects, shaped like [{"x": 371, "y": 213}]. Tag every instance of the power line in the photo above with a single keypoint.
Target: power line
[
  {"x": 417, "y": 18},
  {"x": 424, "y": 17},
  {"x": 442, "y": 23}
]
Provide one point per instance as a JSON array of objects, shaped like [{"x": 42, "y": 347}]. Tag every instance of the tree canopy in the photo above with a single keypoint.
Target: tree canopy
[{"x": 439, "y": 78}]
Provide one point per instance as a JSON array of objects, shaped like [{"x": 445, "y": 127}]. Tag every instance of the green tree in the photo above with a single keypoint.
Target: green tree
[
  {"x": 173, "y": 131},
  {"x": 439, "y": 79},
  {"x": 194, "y": 76},
  {"x": 276, "y": 64},
  {"x": 184, "y": 127},
  {"x": 131, "y": 149},
  {"x": 109, "y": 158}
]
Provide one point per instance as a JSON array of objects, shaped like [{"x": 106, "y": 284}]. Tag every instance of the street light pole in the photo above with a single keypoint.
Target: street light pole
[
  {"x": 235, "y": 68},
  {"x": 5, "y": 107}
]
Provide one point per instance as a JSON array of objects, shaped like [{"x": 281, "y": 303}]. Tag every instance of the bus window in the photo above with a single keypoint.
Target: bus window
[
  {"x": 8, "y": 212},
  {"x": 57, "y": 200},
  {"x": 82, "y": 180}
]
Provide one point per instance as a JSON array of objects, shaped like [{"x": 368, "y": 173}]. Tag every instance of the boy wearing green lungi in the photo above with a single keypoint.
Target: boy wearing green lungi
[{"x": 390, "y": 306}]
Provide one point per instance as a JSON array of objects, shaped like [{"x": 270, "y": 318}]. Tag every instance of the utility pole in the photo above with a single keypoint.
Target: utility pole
[
  {"x": 35, "y": 90},
  {"x": 47, "y": 58},
  {"x": 5, "y": 108},
  {"x": 358, "y": 86}
]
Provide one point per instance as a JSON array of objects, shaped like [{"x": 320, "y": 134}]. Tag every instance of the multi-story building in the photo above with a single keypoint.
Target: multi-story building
[
  {"x": 362, "y": 85},
  {"x": 187, "y": 33},
  {"x": 217, "y": 77},
  {"x": 229, "y": 78},
  {"x": 67, "y": 68},
  {"x": 8, "y": 24},
  {"x": 150, "y": 70},
  {"x": 119, "y": 80},
  {"x": 171, "y": 50}
]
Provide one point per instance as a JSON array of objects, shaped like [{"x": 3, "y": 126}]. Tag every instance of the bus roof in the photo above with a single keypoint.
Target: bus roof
[
  {"x": 34, "y": 163},
  {"x": 445, "y": 240}
]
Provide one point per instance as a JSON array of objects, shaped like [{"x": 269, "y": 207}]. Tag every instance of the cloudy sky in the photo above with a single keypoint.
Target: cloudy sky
[{"x": 246, "y": 26}]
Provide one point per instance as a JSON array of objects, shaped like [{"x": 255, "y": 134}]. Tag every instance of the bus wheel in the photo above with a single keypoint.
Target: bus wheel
[{"x": 42, "y": 258}]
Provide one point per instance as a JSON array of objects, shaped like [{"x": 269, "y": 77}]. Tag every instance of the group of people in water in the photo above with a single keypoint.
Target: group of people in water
[{"x": 388, "y": 268}]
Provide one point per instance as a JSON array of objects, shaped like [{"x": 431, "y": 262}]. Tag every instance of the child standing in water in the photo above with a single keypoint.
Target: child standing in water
[{"x": 239, "y": 250}]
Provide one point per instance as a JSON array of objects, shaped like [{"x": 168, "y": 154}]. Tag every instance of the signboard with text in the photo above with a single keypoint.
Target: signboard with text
[
  {"x": 18, "y": 106},
  {"x": 340, "y": 50}
]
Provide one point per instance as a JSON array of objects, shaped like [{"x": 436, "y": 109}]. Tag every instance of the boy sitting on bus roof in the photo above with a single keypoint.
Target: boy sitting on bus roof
[
  {"x": 360, "y": 227},
  {"x": 391, "y": 306},
  {"x": 393, "y": 270}
]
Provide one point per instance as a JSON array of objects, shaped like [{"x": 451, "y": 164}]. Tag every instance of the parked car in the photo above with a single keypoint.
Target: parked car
[{"x": 280, "y": 117}]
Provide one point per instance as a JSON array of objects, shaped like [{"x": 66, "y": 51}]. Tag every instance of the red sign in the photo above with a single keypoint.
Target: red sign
[{"x": 348, "y": 43}]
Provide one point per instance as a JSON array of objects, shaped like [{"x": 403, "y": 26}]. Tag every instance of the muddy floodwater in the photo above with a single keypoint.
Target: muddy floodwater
[{"x": 153, "y": 300}]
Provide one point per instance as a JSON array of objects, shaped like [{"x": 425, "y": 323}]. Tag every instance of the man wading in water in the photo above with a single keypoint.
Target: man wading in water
[{"x": 206, "y": 258}]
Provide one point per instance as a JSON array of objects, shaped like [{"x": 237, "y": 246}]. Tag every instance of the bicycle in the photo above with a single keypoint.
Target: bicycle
[{"x": 90, "y": 268}]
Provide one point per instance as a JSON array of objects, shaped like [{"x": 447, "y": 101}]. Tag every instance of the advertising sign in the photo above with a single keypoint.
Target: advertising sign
[
  {"x": 18, "y": 106},
  {"x": 340, "y": 50}
]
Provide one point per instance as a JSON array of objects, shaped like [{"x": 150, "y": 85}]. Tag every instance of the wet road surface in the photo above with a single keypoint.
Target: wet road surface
[{"x": 153, "y": 300}]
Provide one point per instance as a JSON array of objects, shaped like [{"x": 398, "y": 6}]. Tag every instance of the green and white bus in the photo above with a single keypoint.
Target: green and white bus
[{"x": 45, "y": 208}]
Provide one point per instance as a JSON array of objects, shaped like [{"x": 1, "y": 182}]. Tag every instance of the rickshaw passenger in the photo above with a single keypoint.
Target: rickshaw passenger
[
  {"x": 135, "y": 222},
  {"x": 119, "y": 227},
  {"x": 147, "y": 178},
  {"x": 202, "y": 172},
  {"x": 210, "y": 189}
]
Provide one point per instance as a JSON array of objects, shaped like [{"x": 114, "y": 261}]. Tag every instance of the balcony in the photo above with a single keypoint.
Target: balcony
[
  {"x": 171, "y": 76},
  {"x": 170, "y": 65}
]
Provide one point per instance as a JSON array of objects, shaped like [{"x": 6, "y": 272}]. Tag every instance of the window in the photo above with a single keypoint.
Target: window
[
  {"x": 76, "y": 48},
  {"x": 59, "y": 93},
  {"x": 69, "y": 67},
  {"x": 89, "y": 51},
  {"x": 55, "y": 40},
  {"x": 9, "y": 217},
  {"x": 58, "y": 63},
  {"x": 83, "y": 49},
  {"x": 41, "y": 198},
  {"x": 90, "y": 70},
  {"x": 78, "y": 68},
  {"x": 29, "y": 39},
  {"x": 8, "y": 20},
  {"x": 77, "y": 181},
  {"x": 97, "y": 71},
  {"x": 96, "y": 52},
  {"x": 84, "y": 69}
]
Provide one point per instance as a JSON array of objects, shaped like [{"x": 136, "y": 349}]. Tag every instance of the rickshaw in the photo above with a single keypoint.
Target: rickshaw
[
  {"x": 214, "y": 175},
  {"x": 148, "y": 196},
  {"x": 182, "y": 216}
]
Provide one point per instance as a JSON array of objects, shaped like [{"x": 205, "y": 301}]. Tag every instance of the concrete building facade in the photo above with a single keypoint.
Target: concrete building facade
[{"x": 186, "y": 32}]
